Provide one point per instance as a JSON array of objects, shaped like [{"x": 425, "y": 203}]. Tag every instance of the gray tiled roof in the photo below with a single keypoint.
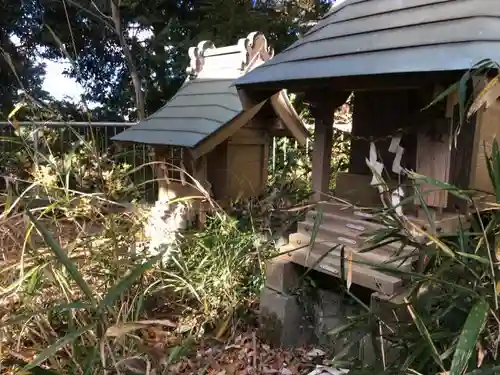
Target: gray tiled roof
[
  {"x": 206, "y": 101},
  {"x": 371, "y": 37}
]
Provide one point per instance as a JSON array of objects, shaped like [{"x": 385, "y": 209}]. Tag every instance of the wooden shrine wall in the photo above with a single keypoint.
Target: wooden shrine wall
[{"x": 378, "y": 114}]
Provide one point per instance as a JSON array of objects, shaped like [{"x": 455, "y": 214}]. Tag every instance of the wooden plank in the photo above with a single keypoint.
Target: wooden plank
[
  {"x": 463, "y": 156},
  {"x": 385, "y": 256},
  {"x": 217, "y": 171},
  {"x": 433, "y": 161},
  {"x": 286, "y": 112},
  {"x": 226, "y": 131},
  {"x": 245, "y": 173},
  {"x": 248, "y": 136},
  {"x": 322, "y": 152},
  {"x": 488, "y": 129},
  {"x": 356, "y": 189},
  {"x": 362, "y": 276},
  {"x": 346, "y": 235}
]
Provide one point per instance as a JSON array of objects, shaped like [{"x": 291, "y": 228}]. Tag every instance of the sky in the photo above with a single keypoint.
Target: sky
[{"x": 58, "y": 84}]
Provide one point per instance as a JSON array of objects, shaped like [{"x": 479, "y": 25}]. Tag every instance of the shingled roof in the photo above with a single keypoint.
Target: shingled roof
[
  {"x": 372, "y": 37},
  {"x": 208, "y": 103}
]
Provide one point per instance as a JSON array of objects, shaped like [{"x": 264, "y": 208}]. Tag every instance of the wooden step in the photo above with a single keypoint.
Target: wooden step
[
  {"x": 445, "y": 222},
  {"x": 347, "y": 233},
  {"x": 361, "y": 275},
  {"x": 357, "y": 222},
  {"x": 382, "y": 256},
  {"x": 341, "y": 209}
]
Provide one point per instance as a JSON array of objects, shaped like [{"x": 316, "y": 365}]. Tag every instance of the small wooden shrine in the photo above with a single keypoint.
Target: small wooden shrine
[
  {"x": 214, "y": 132},
  {"x": 396, "y": 57}
]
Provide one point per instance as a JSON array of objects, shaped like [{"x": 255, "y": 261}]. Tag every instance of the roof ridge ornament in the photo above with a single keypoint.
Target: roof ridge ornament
[
  {"x": 197, "y": 57},
  {"x": 253, "y": 47}
]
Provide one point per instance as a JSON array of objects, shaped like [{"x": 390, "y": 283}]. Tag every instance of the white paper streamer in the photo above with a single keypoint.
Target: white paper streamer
[
  {"x": 395, "y": 141},
  {"x": 396, "y": 197},
  {"x": 395, "y": 148},
  {"x": 396, "y": 164},
  {"x": 376, "y": 166}
]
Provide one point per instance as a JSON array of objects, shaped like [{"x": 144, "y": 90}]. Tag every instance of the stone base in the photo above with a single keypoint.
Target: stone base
[
  {"x": 393, "y": 312},
  {"x": 282, "y": 320},
  {"x": 333, "y": 311},
  {"x": 290, "y": 318}
]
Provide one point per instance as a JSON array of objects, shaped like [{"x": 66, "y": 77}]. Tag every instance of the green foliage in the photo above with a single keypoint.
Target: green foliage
[{"x": 217, "y": 267}]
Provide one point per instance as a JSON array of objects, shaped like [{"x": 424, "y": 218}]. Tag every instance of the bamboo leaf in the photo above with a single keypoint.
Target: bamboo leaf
[
  {"x": 37, "y": 370},
  {"x": 62, "y": 256},
  {"x": 425, "y": 334},
  {"x": 486, "y": 371},
  {"x": 443, "y": 95},
  {"x": 51, "y": 350},
  {"x": 445, "y": 249},
  {"x": 349, "y": 270},
  {"x": 487, "y": 96},
  {"x": 469, "y": 336},
  {"x": 117, "y": 290}
]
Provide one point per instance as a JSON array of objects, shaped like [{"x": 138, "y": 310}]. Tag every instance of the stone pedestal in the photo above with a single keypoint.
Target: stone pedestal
[
  {"x": 333, "y": 311},
  {"x": 393, "y": 312},
  {"x": 290, "y": 318},
  {"x": 282, "y": 320}
]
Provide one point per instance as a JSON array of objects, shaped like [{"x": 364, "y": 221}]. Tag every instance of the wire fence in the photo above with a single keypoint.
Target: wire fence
[{"x": 60, "y": 137}]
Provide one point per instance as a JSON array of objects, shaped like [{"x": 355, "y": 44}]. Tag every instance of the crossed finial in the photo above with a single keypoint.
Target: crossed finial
[
  {"x": 253, "y": 47},
  {"x": 197, "y": 57}
]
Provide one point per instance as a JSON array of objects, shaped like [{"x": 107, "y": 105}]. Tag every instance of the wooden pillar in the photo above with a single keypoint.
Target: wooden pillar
[
  {"x": 160, "y": 172},
  {"x": 322, "y": 151},
  {"x": 323, "y": 104}
]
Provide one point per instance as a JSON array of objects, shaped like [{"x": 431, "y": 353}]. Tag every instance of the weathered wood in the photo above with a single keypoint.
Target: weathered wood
[
  {"x": 245, "y": 166},
  {"x": 322, "y": 151},
  {"x": 434, "y": 146},
  {"x": 381, "y": 82},
  {"x": 321, "y": 247},
  {"x": 487, "y": 129},
  {"x": 217, "y": 171},
  {"x": 356, "y": 189},
  {"x": 216, "y": 138},
  {"x": 361, "y": 275}
]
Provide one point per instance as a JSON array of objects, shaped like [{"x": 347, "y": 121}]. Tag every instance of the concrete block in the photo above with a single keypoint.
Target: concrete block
[
  {"x": 282, "y": 275},
  {"x": 393, "y": 312},
  {"x": 332, "y": 311},
  {"x": 282, "y": 321}
]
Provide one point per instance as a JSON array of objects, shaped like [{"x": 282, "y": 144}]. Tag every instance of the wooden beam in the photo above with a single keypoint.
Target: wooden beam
[
  {"x": 322, "y": 152},
  {"x": 356, "y": 83}
]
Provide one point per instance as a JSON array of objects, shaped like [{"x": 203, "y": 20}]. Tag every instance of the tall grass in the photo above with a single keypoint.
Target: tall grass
[{"x": 80, "y": 294}]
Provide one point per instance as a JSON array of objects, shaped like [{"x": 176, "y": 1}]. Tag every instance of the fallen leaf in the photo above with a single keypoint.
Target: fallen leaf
[
  {"x": 122, "y": 329},
  {"x": 135, "y": 364},
  {"x": 160, "y": 322},
  {"x": 315, "y": 353}
]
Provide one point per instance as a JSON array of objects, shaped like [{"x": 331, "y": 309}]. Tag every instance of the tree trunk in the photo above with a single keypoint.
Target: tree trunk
[{"x": 134, "y": 74}]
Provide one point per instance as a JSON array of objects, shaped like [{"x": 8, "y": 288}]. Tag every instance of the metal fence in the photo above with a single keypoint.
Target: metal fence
[{"x": 59, "y": 137}]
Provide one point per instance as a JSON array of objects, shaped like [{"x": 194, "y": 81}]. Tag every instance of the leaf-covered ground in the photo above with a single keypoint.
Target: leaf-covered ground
[{"x": 246, "y": 355}]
